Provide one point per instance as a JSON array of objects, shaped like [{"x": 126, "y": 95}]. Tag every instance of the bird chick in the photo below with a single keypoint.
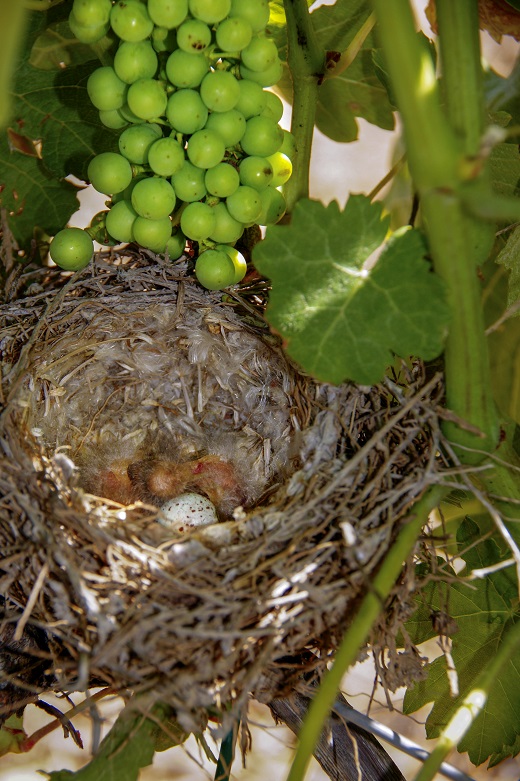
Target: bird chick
[
  {"x": 114, "y": 482},
  {"x": 160, "y": 480}
]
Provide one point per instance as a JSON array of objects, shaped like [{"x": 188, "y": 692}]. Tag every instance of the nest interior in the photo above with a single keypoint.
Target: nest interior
[{"x": 128, "y": 384}]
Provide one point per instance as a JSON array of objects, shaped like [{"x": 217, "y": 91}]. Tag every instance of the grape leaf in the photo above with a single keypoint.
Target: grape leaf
[
  {"x": 56, "y": 47},
  {"x": 350, "y": 93},
  {"x": 501, "y": 94},
  {"x": 54, "y": 132},
  {"x": 340, "y": 316},
  {"x": 54, "y": 106},
  {"x": 504, "y": 167},
  {"x": 483, "y": 612},
  {"x": 129, "y": 746},
  {"x": 509, "y": 257},
  {"x": 32, "y": 197},
  {"x": 356, "y": 92},
  {"x": 12, "y": 735}
]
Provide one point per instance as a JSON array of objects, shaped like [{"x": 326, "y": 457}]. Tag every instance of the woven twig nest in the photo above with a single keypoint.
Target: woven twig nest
[{"x": 130, "y": 384}]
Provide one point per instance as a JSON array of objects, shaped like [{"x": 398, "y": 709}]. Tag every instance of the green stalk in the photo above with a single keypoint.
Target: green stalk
[
  {"x": 306, "y": 62},
  {"x": 462, "y": 83},
  {"x": 12, "y": 26},
  {"x": 358, "y": 631},
  {"x": 436, "y": 147},
  {"x": 472, "y": 705}
]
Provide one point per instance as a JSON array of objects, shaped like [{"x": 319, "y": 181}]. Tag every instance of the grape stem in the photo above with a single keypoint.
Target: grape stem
[{"x": 306, "y": 60}]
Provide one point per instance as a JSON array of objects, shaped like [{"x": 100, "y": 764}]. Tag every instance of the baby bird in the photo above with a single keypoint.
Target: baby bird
[{"x": 156, "y": 481}]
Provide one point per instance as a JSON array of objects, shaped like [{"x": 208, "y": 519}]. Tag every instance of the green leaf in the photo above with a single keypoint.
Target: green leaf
[
  {"x": 509, "y": 257},
  {"x": 55, "y": 108},
  {"x": 340, "y": 316},
  {"x": 504, "y": 167},
  {"x": 32, "y": 197},
  {"x": 353, "y": 92},
  {"x": 54, "y": 132},
  {"x": 501, "y": 94},
  {"x": 483, "y": 611},
  {"x": 12, "y": 735},
  {"x": 356, "y": 92},
  {"x": 56, "y": 47},
  {"x": 129, "y": 746}
]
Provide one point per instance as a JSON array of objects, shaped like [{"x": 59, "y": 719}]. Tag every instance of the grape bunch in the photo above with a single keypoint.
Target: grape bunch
[{"x": 201, "y": 154}]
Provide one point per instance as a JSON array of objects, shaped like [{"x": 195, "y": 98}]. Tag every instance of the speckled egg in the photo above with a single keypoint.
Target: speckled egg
[{"x": 187, "y": 511}]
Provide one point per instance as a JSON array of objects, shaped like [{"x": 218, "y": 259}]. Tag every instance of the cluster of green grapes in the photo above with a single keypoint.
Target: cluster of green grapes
[{"x": 201, "y": 154}]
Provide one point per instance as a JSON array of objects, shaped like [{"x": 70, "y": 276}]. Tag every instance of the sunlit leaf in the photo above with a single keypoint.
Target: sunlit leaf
[
  {"x": 342, "y": 317},
  {"x": 483, "y": 611},
  {"x": 129, "y": 746}
]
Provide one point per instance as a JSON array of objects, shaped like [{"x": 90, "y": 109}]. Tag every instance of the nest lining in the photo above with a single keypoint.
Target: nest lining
[{"x": 135, "y": 364}]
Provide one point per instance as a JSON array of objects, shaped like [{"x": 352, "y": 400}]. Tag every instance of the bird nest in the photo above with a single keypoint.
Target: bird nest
[{"x": 126, "y": 385}]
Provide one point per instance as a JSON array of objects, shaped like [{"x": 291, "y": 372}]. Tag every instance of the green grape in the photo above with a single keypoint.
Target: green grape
[
  {"x": 126, "y": 195},
  {"x": 113, "y": 119},
  {"x": 176, "y": 245},
  {"x": 130, "y": 20},
  {"x": 163, "y": 39},
  {"x": 109, "y": 173},
  {"x": 168, "y": 13},
  {"x": 214, "y": 269},
  {"x": 152, "y": 234},
  {"x": 87, "y": 33},
  {"x": 256, "y": 12},
  {"x": 186, "y": 70},
  {"x": 186, "y": 111},
  {"x": 260, "y": 54},
  {"x": 197, "y": 221},
  {"x": 222, "y": 180},
  {"x": 273, "y": 206},
  {"x": 288, "y": 145},
  {"x": 129, "y": 115},
  {"x": 92, "y": 13},
  {"x": 265, "y": 78},
  {"x": 209, "y": 11},
  {"x": 205, "y": 148},
  {"x": 239, "y": 262},
  {"x": 71, "y": 249},
  {"x": 166, "y": 156},
  {"x": 244, "y": 204},
  {"x": 252, "y": 100},
  {"x": 188, "y": 183},
  {"x": 273, "y": 106},
  {"x": 193, "y": 36},
  {"x": 230, "y": 125},
  {"x": 153, "y": 198},
  {"x": 282, "y": 168},
  {"x": 105, "y": 89},
  {"x": 120, "y": 220},
  {"x": 135, "y": 142},
  {"x": 135, "y": 60},
  {"x": 263, "y": 137},
  {"x": 147, "y": 98},
  {"x": 255, "y": 172},
  {"x": 226, "y": 229},
  {"x": 233, "y": 34},
  {"x": 220, "y": 91}
]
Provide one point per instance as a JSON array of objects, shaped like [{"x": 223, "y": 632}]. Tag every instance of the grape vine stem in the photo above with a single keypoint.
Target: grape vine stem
[{"x": 306, "y": 61}]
